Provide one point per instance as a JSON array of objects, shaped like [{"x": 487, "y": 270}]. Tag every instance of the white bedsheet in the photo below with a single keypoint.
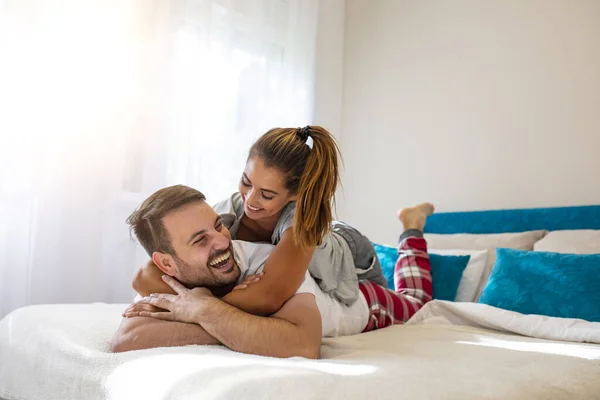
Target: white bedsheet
[
  {"x": 484, "y": 316},
  {"x": 447, "y": 351}
]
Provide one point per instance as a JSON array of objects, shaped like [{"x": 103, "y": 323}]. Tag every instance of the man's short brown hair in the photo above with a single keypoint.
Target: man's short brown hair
[{"x": 146, "y": 221}]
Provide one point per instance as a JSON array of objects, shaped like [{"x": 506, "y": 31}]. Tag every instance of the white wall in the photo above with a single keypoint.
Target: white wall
[
  {"x": 469, "y": 104},
  {"x": 330, "y": 66}
]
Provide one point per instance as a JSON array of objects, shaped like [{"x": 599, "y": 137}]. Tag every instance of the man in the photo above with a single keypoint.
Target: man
[{"x": 187, "y": 241}]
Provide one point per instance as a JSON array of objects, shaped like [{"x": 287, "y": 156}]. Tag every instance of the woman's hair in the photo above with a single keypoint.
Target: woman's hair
[{"x": 312, "y": 174}]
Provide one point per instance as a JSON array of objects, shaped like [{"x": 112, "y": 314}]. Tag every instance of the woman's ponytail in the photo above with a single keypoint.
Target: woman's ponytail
[{"x": 312, "y": 174}]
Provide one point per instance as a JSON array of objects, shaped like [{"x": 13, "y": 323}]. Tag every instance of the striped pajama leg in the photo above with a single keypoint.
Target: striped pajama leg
[{"x": 412, "y": 280}]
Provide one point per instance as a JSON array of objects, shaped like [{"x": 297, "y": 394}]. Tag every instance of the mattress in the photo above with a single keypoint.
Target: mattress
[{"x": 446, "y": 351}]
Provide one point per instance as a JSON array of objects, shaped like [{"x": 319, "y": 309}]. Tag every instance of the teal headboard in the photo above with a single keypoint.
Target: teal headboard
[{"x": 518, "y": 220}]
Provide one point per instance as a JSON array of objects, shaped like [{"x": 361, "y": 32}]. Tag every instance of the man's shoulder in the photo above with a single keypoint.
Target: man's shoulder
[
  {"x": 252, "y": 248},
  {"x": 251, "y": 257}
]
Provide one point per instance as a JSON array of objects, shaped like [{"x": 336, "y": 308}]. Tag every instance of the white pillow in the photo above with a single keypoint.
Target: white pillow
[
  {"x": 470, "y": 283},
  {"x": 583, "y": 241},
  {"x": 489, "y": 241},
  {"x": 470, "y": 241}
]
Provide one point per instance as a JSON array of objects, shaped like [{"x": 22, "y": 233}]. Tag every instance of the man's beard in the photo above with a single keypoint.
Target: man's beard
[{"x": 219, "y": 287}]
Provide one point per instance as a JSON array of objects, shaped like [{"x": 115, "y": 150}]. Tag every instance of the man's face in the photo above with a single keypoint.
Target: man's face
[{"x": 203, "y": 252}]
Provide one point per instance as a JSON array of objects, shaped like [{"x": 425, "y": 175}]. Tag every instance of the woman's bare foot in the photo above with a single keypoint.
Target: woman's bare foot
[{"x": 415, "y": 217}]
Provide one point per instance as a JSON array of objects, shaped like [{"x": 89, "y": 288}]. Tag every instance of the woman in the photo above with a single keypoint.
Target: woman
[{"x": 285, "y": 197}]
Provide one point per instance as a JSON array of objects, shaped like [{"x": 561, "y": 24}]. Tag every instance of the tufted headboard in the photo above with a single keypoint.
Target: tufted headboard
[{"x": 517, "y": 220}]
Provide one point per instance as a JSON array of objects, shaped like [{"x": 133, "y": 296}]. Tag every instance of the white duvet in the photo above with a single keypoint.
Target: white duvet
[{"x": 447, "y": 351}]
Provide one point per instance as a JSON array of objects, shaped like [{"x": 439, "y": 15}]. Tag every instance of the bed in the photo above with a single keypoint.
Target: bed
[{"x": 448, "y": 350}]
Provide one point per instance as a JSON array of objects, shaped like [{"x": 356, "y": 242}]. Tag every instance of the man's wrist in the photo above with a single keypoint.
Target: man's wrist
[{"x": 207, "y": 308}]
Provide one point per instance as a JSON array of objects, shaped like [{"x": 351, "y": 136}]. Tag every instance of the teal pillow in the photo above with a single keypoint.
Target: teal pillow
[
  {"x": 446, "y": 271},
  {"x": 387, "y": 258},
  {"x": 551, "y": 284}
]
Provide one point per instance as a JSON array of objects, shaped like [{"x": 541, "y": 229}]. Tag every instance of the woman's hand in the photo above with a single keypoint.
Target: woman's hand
[
  {"x": 250, "y": 279},
  {"x": 186, "y": 306}
]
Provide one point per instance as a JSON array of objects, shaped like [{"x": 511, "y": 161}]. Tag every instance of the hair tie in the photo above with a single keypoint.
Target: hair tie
[{"x": 303, "y": 133}]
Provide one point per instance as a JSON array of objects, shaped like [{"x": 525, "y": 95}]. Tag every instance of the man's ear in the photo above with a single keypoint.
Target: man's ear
[{"x": 164, "y": 262}]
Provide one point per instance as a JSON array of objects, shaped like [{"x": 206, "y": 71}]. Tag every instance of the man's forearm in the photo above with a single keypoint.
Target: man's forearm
[
  {"x": 246, "y": 333},
  {"x": 252, "y": 301},
  {"x": 144, "y": 333}
]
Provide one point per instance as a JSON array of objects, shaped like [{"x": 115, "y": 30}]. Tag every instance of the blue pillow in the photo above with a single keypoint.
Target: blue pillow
[
  {"x": 551, "y": 284},
  {"x": 446, "y": 271},
  {"x": 387, "y": 258}
]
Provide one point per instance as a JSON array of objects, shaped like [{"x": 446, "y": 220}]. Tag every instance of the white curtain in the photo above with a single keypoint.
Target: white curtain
[{"x": 103, "y": 102}]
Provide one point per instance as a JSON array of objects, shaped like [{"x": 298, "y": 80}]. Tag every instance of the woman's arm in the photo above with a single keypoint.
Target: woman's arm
[
  {"x": 148, "y": 280},
  {"x": 283, "y": 274}
]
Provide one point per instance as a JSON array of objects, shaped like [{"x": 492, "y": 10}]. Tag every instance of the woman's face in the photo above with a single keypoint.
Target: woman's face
[{"x": 263, "y": 190}]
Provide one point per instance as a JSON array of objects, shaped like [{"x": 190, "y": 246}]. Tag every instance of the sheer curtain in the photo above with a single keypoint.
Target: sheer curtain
[{"x": 103, "y": 102}]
